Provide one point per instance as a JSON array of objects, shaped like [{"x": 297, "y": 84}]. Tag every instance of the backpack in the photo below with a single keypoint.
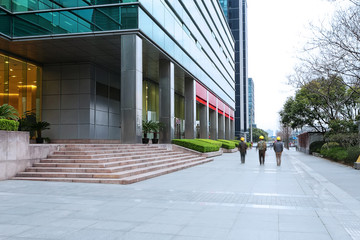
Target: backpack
[{"x": 262, "y": 145}]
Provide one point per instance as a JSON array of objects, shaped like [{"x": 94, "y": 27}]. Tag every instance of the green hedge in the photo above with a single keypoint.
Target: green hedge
[
  {"x": 9, "y": 125},
  {"x": 227, "y": 144},
  {"x": 237, "y": 142},
  {"x": 196, "y": 145},
  {"x": 352, "y": 155},
  {"x": 219, "y": 144},
  {"x": 334, "y": 153},
  {"x": 316, "y": 146}
]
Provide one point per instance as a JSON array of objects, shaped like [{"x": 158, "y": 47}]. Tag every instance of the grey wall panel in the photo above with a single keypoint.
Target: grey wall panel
[
  {"x": 101, "y": 118},
  {"x": 69, "y": 131},
  {"x": 70, "y": 86},
  {"x": 69, "y": 116},
  {"x": 51, "y": 87},
  {"x": 70, "y": 101},
  {"x": 101, "y": 132},
  {"x": 50, "y": 102}
]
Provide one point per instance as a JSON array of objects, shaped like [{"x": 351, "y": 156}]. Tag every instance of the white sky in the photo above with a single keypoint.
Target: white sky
[{"x": 277, "y": 30}]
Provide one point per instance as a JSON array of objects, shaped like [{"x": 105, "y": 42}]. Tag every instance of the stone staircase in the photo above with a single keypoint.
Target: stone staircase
[{"x": 109, "y": 163}]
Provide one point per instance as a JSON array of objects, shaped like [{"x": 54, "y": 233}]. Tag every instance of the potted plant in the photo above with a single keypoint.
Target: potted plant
[
  {"x": 39, "y": 127},
  {"x": 147, "y": 126},
  {"x": 157, "y": 126}
]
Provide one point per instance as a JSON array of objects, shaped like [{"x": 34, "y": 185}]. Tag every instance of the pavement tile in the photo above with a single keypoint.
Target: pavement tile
[
  {"x": 303, "y": 236},
  {"x": 306, "y": 198}
]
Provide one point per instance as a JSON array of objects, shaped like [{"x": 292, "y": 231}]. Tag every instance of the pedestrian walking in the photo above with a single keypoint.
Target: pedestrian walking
[
  {"x": 278, "y": 148},
  {"x": 242, "y": 148},
  {"x": 261, "y": 146}
]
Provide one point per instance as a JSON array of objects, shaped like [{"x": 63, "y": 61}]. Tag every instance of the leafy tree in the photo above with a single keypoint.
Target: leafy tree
[
  {"x": 320, "y": 102},
  {"x": 8, "y": 112},
  {"x": 257, "y": 132}
]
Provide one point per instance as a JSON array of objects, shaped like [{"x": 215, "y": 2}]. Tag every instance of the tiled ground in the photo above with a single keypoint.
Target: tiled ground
[{"x": 306, "y": 198}]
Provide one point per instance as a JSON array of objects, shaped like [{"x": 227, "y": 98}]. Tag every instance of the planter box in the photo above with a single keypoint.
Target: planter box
[
  {"x": 16, "y": 153},
  {"x": 229, "y": 150}
]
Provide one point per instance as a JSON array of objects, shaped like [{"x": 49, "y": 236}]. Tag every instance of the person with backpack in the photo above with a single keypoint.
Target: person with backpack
[
  {"x": 242, "y": 148},
  {"x": 262, "y": 149},
  {"x": 278, "y": 148}
]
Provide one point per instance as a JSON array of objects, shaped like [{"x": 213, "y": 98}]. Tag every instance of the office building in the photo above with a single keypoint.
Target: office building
[
  {"x": 236, "y": 14},
  {"x": 95, "y": 69}
]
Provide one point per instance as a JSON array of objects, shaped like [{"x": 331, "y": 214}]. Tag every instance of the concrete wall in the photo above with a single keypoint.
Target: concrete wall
[
  {"x": 305, "y": 139},
  {"x": 74, "y": 107},
  {"x": 16, "y": 153}
]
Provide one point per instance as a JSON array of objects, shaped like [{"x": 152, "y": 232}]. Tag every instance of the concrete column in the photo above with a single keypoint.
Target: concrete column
[
  {"x": 227, "y": 128},
  {"x": 221, "y": 127},
  {"x": 204, "y": 120},
  {"x": 214, "y": 124},
  {"x": 131, "y": 89},
  {"x": 232, "y": 123},
  {"x": 190, "y": 108},
  {"x": 166, "y": 99}
]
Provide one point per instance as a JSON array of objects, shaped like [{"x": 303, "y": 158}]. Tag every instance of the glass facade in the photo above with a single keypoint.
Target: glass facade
[
  {"x": 20, "y": 85},
  {"x": 35, "y": 5},
  {"x": 208, "y": 59},
  {"x": 101, "y": 18},
  {"x": 236, "y": 13}
]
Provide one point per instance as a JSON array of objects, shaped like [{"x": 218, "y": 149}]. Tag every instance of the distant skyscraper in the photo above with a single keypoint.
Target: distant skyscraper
[
  {"x": 251, "y": 102},
  {"x": 236, "y": 14}
]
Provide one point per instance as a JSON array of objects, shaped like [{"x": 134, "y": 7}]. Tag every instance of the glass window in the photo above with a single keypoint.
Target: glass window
[
  {"x": 20, "y": 85},
  {"x": 5, "y": 23},
  {"x": 6, "y": 4},
  {"x": 150, "y": 101}
]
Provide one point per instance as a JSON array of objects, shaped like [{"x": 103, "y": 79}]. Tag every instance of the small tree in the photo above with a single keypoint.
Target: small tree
[{"x": 8, "y": 112}]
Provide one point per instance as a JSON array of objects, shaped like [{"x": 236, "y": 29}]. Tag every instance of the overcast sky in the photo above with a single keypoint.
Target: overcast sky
[{"x": 277, "y": 30}]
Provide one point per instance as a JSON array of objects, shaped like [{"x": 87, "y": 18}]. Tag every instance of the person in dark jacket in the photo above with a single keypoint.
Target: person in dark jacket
[
  {"x": 278, "y": 148},
  {"x": 242, "y": 148},
  {"x": 261, "y": 146}
]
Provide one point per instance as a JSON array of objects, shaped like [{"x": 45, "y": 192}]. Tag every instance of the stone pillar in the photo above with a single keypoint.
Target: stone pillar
[
  {"x": 131, "y": 89},
  {"x": 166, "y": 99},
  {"x": 221, "y": 127},
  {"x": 232, "y": 123},
  {"x": 204, "y": 120},
  {"x": 227, "y": 128},
  {"x": 190, "y": 108},
  {"x": 214, "y": 124}
]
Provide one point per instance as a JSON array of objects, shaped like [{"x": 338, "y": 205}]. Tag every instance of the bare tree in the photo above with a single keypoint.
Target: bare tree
[{"x": 333, "y": 51}]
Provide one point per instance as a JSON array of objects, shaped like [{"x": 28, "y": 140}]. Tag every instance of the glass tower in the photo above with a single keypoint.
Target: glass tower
[{"x": 236, "y": 14}]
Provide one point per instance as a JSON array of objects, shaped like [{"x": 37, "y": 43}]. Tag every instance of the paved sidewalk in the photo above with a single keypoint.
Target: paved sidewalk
[{"x": 307, "y": 198}]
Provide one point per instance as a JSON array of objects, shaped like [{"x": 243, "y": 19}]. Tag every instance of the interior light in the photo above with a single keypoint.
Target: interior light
[
  {"x": 13, "y": 76},
  {"x": 9, "y": 94},
  {"x": 11, "y": 70},
  {"x": 20, "y": 82},
  {"x": 6, "y": 61},
  {"x": 29, "y": 69}
]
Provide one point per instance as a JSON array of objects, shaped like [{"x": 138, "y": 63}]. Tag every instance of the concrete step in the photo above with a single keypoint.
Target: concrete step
[
  {"x": 121, "y": 162},
  {"x": 104, "y": 151},
  {"x": 108, "y": 159},
  {"x": 107, "y": 169},
  {"x": 127, "y": 173},
  {"x": 125, "y": 180},
  {"x": 105, "y": 155}
]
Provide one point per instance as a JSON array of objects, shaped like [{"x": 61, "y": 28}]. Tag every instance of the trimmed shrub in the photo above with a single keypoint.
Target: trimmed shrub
[
  {"x": 9, "y": 125},
  {"x": 196, "y": 144},
  {"x": 330, "y": 145},
  {"x": 219, "y": 144},
  {"x": 237, "y": 142},
  {"x": 227, "y": 144},
  {"x": 334, "y": 153},
  {"x": 352, "y": 155},
  {"x": 316, "y": 146}
]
